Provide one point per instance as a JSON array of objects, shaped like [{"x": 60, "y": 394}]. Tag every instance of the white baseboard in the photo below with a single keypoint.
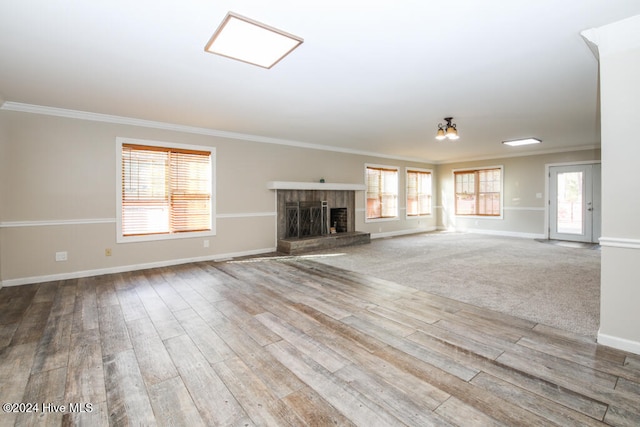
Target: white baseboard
[
  {"x": 133, "y": 267},
  {"x": 402, "y": 232},
  {"x": 619, "y": 343},
  {"x": 496, "y": 232}
]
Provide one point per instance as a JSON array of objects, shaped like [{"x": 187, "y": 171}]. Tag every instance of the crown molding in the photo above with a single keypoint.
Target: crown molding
[
  {"x": 613, "y": 38},
  {"x": 521, "y": 154},
  {"x": 121, "y": 120}
]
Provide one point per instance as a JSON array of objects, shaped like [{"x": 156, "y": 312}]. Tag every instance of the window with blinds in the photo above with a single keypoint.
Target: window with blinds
[
  {"x": 418, "y": 192},
  {"x": 165, "y": 190},
  {"x": 478, "y": 192},
  {"x": 382, "y": 192}
]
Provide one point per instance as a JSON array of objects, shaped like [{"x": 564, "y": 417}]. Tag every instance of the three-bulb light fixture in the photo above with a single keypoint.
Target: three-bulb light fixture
[{"x": 449, "y": 132}]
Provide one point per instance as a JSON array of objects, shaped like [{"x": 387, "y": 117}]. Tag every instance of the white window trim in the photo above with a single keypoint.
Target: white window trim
[
  {"x": 406, "y": 193},
  {"x": 453, "y": 175},
  {"x": 372, "y": 220},
  {"x": 156, "y": 237}
]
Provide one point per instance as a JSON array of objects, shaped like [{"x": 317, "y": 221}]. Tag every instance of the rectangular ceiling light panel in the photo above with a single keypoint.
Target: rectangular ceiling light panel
[
  {"x": 250, "y": 41},
  {"x": 526, "y": 141}
]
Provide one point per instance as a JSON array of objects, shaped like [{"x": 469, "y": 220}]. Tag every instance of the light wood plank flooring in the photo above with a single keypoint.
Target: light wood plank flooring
[{"x": 289, "y": 341}]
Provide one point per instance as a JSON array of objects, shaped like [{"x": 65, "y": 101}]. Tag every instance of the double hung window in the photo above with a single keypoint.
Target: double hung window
[
  {"x": 382, "y": 192},
  {"x": 479, "y": 192},
  {"x": 165, "y": 190},
  {"x": 418, "y": 192}
]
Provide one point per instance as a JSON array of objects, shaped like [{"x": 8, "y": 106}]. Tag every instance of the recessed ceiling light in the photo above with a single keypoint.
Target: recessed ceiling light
[
  {"x": 525, "y": 141},
  {"x": 250, "y": 41}
]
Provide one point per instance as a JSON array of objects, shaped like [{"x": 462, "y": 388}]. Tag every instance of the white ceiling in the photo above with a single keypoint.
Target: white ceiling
[{"x": 371, "y": 76}]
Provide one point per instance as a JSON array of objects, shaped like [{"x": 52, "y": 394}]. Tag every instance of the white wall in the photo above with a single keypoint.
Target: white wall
[{"x": 619, "y": 52}]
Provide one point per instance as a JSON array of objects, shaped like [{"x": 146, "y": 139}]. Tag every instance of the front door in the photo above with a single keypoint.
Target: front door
[{"x": 574, "y": 202}]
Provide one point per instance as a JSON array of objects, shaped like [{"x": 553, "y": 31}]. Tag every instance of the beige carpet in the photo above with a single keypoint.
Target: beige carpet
[{"x": 553, "y": 284}]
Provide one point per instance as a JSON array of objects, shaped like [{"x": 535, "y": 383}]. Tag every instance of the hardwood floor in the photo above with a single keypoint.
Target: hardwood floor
[{"x": 289, "y": 341}]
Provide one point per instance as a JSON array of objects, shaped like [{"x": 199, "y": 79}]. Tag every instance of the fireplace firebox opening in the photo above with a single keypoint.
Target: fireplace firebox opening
[{"x": 338, "y": 220}]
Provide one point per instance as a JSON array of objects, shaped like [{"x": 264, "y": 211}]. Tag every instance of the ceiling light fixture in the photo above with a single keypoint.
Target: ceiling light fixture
[
  {"x": 449, "y": 132},
  {"x": 524, "y": 141},
  {"x": 250, "y": 41}
]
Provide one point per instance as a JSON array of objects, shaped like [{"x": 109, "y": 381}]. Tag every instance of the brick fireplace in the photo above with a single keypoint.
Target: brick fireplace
[
  {"x": 312, "y": 208},
  {"x": 316, "y": 215}
]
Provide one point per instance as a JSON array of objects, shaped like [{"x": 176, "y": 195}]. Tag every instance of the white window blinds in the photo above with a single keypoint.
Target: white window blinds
[
  {"x": 478, "y": 192},
  {"x": 418, "y": 193},
  {"x": 165, "y": 190},
  {"x": 382, "y": 193}
]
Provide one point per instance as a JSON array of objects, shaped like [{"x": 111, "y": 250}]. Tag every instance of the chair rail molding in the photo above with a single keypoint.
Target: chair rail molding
[{"x": 620, "y": 242}]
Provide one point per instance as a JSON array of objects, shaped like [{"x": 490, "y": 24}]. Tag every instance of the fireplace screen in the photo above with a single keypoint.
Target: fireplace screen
[{"x": 306, "y": 219}]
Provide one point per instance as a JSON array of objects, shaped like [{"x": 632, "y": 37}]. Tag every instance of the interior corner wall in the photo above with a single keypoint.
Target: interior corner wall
[
  {"x": 4, "y": 179},
  {"x": 619, "y": 52},
  {"x": 59, "y": 194},
  {"x": 523, "y": 196}
]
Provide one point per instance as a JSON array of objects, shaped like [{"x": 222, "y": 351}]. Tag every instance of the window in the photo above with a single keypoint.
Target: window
[
  {"x": 479, "y": 192},
  {"x": 164, "y": 191},
  {"x": 418, "y": 192},
  {"x": 382, "y": 192}
]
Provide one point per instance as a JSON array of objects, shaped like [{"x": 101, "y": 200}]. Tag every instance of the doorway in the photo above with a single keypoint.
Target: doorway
[{"x": 574, "y": 202}]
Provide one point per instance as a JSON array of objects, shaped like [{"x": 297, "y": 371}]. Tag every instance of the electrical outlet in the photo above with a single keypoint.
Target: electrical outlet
[
  {"x": 206, "y": 243},
  {"x": 107, "y": 252},
  {"x": 61, "y": 256}
]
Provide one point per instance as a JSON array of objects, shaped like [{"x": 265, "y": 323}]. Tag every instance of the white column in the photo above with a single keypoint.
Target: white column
[{"x": 618, "y": 48}]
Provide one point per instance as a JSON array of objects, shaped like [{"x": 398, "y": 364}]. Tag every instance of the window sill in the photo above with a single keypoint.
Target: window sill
[
  {"x": 369, "y": 220},
  {"x": 479, "y": 217},
  {"x": 159, "y": 237}
]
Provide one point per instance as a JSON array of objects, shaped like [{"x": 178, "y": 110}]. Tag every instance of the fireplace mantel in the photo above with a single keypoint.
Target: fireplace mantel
[
  {"x": 302, "y": 206},
  {"x": 290, "y": 185}
]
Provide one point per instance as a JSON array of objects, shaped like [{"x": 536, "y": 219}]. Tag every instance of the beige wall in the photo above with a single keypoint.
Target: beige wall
[
  {"x": 524, "y": 180},
  {"x": 59, "y": 188},
  {"x": 619, "y": 51}
]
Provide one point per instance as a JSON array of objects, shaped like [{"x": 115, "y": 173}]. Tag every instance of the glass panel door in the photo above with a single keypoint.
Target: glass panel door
[{"x": 571, "y": 204}]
